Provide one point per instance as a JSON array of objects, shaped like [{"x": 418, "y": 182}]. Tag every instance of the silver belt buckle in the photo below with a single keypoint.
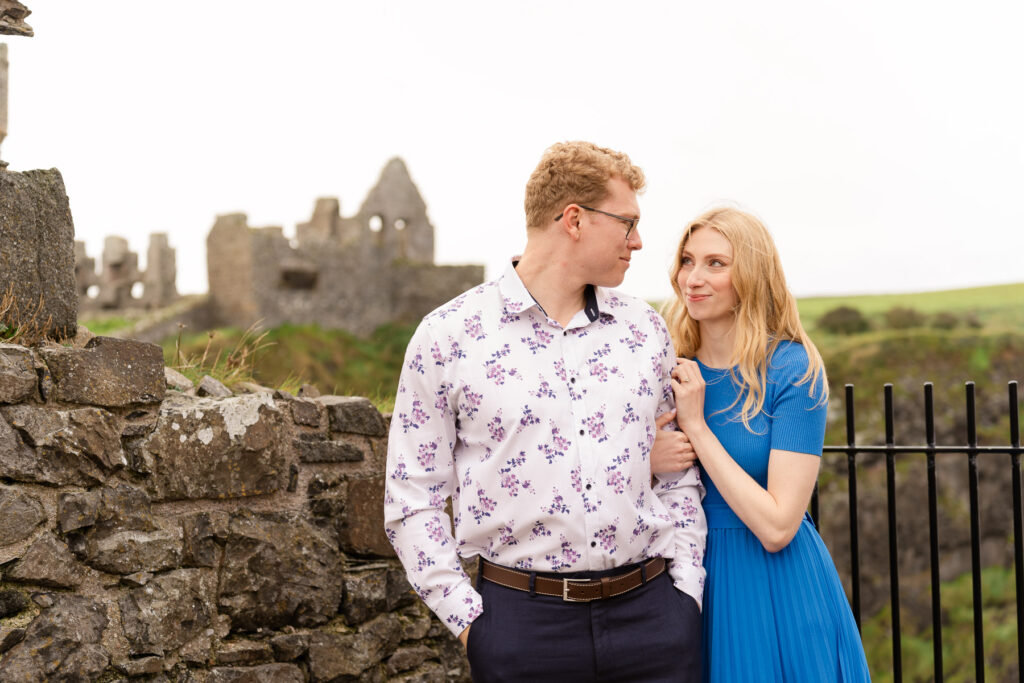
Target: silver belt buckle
[{"x": 565, "y": 590}]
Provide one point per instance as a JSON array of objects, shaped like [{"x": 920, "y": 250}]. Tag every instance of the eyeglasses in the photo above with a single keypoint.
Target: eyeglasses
[{"x": 631, "y": 222}]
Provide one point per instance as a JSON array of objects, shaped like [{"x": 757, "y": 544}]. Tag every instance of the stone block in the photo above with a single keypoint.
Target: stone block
[
  {"x": 315, "y": 448},
  {"x": 91, "y": 433},
  {"x": 131, "y": 551},
  {"x": 107, "y": 372},
  {"x": 37, "y": 252},
  {"x": 267, "y": 673},
  {"x": 204, "y": 533},
  {"x": 77, "y": 510},
  {"x": 169, "y": 611},
  {"x": 48, "y": 562},
  {"x": 142, "y": 666},
  {"x": 353, "y": 415},
  {"x": 366, "y": 594},
  {"x": 51, "y": 465},
  {"x": 278, "y": 570},
  {"x": 9, "y": 637},
  {"x": 428, "y": 672},
  {"x": 212, "y": 388},
  {"x": 333, "y": 656},
  {"x": 11, "y": 603},
  {"x": 400, "y": 591},
  {"x": 62, "y": 643},
  {"x": 216, "y": 448},
  {"x": 305, "y": 412},
  {"x": 18, "y": 377},
  {"x": 244, "y": 652},
  {"x": 176, "y": 380},
  {"x": 289, "y": 646},
  {"x": 362, "y": 530},
  {"x": 408, "y": 658},
  {"x": 21, "y": 513}
]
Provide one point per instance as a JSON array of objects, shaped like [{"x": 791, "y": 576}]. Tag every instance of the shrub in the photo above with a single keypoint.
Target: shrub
[
  {"x": 900, "y": 318},
  {"x": 843, "y": 320},
  {"x": 945, "y": 320}
]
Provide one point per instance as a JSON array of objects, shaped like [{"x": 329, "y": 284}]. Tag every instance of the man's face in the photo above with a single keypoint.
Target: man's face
[{"x": 605, "y": 250}]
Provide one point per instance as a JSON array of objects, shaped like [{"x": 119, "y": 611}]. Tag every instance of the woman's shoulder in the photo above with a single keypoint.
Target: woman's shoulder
[{"x": 789, "y": 360}]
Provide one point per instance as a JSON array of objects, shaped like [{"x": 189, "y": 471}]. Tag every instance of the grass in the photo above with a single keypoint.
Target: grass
[
  {"x": 999, "y": 619},
  {"x": 19, "y": 326}
]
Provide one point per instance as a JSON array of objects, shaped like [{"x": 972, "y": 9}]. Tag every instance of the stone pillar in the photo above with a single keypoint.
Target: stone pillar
[
  {"x": 37, "y": 257},
  {"x": 12, "y": 18},
  {"x": 161, "y": 272},
  {"x": 120, "y": 272}
]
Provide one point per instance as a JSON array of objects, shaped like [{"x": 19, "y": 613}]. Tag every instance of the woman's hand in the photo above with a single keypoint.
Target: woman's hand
[
  {"x": 672, "y": 451},
  {"x": 688, "y": 386}
]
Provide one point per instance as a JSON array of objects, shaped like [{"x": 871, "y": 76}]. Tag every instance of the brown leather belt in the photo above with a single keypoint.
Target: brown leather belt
[{"x": 574, "y": 590}]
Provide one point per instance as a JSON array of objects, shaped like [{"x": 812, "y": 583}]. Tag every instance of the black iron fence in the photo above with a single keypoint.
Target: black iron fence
[{"x": 930, "y": 449}]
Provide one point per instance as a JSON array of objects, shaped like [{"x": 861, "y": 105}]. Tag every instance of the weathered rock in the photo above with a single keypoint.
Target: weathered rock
[
  {"x": 212, "y": 388},
  {"x": 268, "y": 673},
  {"x": 216, "y": 448},
  {"x": 428, "y": 672},
  {"x": 9, "y": 637},
  {"x": 252, "y": 388},
  {"x": 337, "y": 656},
  {"x": 20, "y": 513},
  {"x": 308, "y": 391},
  {"x": 137, "y": 579},
  {"x": 366, "y": 593},
  {"x": 289, "y": 646},
  {"x": 82, "y": 433},
  {"x": 353, "y": 414},
  {"x": 362, "y": 529},
  {"x": 199, "y": 650},
  {"x": 142, "y": 666},
  {"x": 37, "y": 252},
  {"x": 12, "y": 18},
  {"x": 400, "y": 591},
  {"x": 176, "y": 380},
  {"x": 11, "y": 603},
  {"x": 107, "y": 372},
  {"x": 204, "y": 533},
  {"x": 169, "y": 611},
  {"x": 407, "y": 658},
  {"x": 316, "y": 448},
  {"x": 243, "y": 652},
  {"x": 138, "y": 423},
  {"x": 20, "y": 462},
  {"x": 61, "y": 644},
  {"x": 328, "y": 497},
  {"x": 48, "y": 562},
  {"x": 305, "y": 412},
  {"x": 17, "y": 374},
  {"x": 129, "y": 551},
  {"x": 278, "y": 570},
  {"x": 77, "y": 510}
]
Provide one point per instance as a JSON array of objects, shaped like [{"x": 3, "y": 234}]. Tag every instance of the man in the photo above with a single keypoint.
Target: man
[{"x": 531, "y": 401}]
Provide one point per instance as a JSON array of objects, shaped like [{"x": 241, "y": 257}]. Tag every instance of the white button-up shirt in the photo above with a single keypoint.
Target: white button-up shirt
[{"x": 541, "y": 436}]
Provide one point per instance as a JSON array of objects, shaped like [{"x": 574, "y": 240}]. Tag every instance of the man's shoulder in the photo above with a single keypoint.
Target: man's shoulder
[
  {"x": 630, "y": 308},
  {"x": 447, "y": 313}
]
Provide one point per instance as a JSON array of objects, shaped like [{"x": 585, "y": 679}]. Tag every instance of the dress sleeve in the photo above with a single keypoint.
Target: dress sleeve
[
  {"x": 420, "y": 476},
  {"x": 797, "y": 412},
  {"x": 681, "y": 493}
]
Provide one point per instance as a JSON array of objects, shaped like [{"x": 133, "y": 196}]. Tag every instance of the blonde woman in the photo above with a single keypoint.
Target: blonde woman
[{"x": 751, "y": 398}]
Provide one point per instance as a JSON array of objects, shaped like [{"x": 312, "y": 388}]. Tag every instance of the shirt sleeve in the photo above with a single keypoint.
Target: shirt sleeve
[
  {"x": 681, "y": 493},
  {"x": 798, "y": 414},
  {"x": 420, "y": 476}
]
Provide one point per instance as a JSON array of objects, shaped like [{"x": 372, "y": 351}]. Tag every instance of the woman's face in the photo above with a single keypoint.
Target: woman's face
[{"x": 705, "y": 277}]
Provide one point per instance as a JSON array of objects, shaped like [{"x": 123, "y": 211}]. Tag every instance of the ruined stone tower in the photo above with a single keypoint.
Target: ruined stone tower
[{"x": 354, "y": 273}]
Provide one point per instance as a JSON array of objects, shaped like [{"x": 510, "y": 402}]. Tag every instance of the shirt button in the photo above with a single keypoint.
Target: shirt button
[
  {"x": 588, "y": 487},
  {"x": 593, "y": 543},
  {"x": 581, "y": 432},
  {"x": 565, "y": 333},
  {"x": 572, "y": 380}
]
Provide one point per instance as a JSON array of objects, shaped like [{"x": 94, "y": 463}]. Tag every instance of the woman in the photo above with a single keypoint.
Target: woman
[{"x": 751, "y": 398}]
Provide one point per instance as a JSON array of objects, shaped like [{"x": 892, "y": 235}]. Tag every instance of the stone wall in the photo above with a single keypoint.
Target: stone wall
[{"x": 192, "y": 534}]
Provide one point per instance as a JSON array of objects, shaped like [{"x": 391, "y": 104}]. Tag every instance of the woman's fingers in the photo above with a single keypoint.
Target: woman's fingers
[{"x": 663, "y": 420}]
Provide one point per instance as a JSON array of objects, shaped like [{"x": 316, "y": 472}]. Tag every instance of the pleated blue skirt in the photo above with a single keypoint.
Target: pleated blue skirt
[{"x": 779, "y": 617}]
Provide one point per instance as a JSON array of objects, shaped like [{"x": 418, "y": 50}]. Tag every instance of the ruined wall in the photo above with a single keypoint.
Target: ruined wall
[
  {"x": 194, "y": 535},
  {"x": 111, "y": 287},
  {"x": 355, "y": 273}
]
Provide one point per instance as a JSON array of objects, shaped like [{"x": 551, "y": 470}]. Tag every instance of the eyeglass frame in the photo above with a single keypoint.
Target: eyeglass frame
[{"x": 631, "y": 222}]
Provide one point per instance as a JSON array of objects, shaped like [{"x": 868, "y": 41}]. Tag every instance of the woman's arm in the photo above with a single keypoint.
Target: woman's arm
[
  {"x": 772, "y": 514},
  {"x": 672, "y": 451}
]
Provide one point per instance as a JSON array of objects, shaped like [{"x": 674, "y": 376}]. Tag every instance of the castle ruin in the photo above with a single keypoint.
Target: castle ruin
[
  {"x": 112, "y": 287},
  {"x": 354, "y": 273}
]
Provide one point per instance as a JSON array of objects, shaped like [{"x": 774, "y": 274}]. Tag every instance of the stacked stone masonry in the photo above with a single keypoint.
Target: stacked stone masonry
[{"x": 192, "y": 534}]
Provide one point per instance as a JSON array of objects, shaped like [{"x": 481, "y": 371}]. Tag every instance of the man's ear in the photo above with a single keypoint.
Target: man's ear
[{"x": 570, "y": 222}]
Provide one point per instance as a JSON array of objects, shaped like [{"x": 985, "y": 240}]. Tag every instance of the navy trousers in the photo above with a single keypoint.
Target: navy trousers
[{"x": 652, "y": 633}]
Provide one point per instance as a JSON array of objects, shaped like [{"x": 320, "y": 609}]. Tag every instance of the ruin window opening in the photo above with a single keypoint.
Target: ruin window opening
[
  {"x": 298, "y": 278},
  {"x": 376, "y": 223},
  {"x": 400, "y": 224}
]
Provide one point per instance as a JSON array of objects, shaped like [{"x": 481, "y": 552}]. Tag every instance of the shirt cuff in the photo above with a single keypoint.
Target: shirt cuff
[{"x": 460, "y": 607}]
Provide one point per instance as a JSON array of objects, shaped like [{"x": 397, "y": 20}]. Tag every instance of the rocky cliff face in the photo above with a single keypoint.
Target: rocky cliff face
[{"x": 176, "y": 536}]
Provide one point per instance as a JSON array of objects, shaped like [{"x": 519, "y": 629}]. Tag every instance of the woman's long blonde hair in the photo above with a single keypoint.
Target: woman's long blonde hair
[{"x": 766, "y": 312}]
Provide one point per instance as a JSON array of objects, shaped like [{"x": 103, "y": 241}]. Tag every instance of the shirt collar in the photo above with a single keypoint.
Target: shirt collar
[{"x": 517, "y": 298}]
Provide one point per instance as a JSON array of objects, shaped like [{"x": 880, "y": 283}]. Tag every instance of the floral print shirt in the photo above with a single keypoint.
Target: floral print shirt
[{"x": 541, "y": 437}]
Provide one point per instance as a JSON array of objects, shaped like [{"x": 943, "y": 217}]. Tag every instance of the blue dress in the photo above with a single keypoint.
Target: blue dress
[{"x": 779, "y": 617}]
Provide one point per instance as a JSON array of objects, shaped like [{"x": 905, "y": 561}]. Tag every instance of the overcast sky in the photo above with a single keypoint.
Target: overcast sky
[{"x": 881, "y": 142}]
